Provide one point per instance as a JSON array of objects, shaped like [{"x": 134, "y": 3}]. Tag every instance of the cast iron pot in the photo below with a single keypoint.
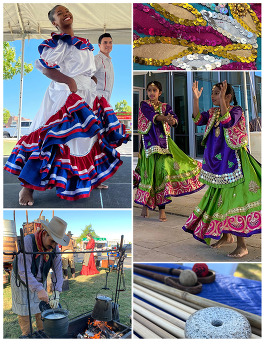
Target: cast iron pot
[
  {"x": 55, "y": 328},
  {"x": 102, "y": 310}
]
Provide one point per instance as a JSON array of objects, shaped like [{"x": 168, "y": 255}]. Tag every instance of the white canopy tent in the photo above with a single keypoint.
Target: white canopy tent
[
  {"x": 30, "y": 20},
  {"x": 90, "y": 20}
]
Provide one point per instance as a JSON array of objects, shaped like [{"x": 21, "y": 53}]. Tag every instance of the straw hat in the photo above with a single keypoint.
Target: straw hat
[{"x": 56, "y": 228}]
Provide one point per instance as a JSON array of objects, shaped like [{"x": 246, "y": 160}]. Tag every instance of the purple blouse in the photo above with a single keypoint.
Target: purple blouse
[
  {"x": 221, "y": 164},
  {"x": 155, "y": 141}
]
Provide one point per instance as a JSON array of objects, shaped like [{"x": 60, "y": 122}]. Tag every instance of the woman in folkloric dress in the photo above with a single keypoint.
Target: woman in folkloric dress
[
  {"x": 72, "y": 140},
  {"x": 163, "y": 169},
  {"x": 232, "y": 203}
]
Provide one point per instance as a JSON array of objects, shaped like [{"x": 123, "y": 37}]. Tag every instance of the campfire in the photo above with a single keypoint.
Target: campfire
[{"x": 102, "y": 330}]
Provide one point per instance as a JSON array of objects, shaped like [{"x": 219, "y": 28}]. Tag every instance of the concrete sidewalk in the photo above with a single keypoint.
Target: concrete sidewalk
[
  {"x": 156, "y": 241},
  {"x": 118, "y": 195}
]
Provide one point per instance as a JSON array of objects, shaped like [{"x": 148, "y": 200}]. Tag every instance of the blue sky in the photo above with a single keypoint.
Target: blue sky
[
  {"x": 110, "y": 224},
  {"x": 35, "y": 84}
]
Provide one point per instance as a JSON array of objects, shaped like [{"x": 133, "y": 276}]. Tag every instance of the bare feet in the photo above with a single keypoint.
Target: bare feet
[
  {"x": 145, "y": 212},
  {"x": 241, "y": 249},
  {"x": 162, "y": 215},
  {"x": 102, "y": 186},
  {"x": 26, "y": 197},
  {"x": 239, "y": 252},
  {"x": 225, "y": 239}
]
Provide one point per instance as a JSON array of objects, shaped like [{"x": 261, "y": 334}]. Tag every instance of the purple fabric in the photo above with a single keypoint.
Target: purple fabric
[
  {"x": 257, "y": 9},
  {"x": 217, "y": 154},
  {"x": 35, "y": 283},
  {"x": 156, "y": 135}
]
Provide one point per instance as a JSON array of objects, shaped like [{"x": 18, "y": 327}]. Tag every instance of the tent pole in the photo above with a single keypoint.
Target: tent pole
[
  {"x": 21, "y": 87},
  {"x": 246, "y": 107}
]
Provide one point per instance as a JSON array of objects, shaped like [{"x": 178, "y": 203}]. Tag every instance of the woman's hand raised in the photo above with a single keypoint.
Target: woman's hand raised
[{"x": 196, "y": 92}]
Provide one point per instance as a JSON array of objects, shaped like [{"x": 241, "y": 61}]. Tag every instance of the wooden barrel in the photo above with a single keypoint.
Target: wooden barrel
[{"x": 9, "y": 240}]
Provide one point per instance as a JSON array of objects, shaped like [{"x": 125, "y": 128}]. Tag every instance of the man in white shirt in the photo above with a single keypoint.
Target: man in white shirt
[{"x": 104, "y": 68}]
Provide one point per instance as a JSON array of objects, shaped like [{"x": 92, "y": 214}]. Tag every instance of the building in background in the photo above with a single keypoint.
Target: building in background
[{"x": 177, "y": 91}]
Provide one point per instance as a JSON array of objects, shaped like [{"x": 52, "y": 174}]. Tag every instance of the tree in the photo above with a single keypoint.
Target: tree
[
  {"x": 11, "y": 66},
  {"x": 122, "y": 106},
  {"x": 88, "y": 229},
  {"x": 6, "y": 116}
]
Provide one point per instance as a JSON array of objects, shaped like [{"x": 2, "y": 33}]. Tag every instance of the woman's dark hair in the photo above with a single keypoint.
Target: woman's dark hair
[
  {"x": 51, "y": 13},
  {"x": 157, "y": 84},
  {"x": 229, "y": 91},
  {"x": 106, "y": 34}
]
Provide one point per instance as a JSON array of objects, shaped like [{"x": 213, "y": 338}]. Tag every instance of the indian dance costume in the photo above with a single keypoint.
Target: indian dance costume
[
  {"x": 89, "y": 266},
  {"x": 72, "y": 140},
  {"x": 232, "y": 203},
  {"x": 163, "y": 170}
]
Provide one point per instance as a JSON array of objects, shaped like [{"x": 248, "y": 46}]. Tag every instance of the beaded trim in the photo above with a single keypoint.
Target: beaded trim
[
  {"x": 197, "y": 119},
  {"x": 224, "y": 179},
  {"x": 156, "y": 149},
  {"x": 233, "y": 211},
  {"x": 198, "y": 21},
  {"x": 217, "y": 8},
  {"x": 225, "y": 52},
  {"x": 230, "y": 28},
  {"x": 225, "y": 118},
  {"x": 237, "y": 14},
  {"x": 178, "y": 30},
  {"x": 199, "y": 62}
]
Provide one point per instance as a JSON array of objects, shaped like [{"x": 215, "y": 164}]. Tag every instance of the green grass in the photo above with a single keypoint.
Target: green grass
[
  {"x": 78, "y": 300},
  {"x": 8, "y": 145},
  {"x": 249, "y": 271}
]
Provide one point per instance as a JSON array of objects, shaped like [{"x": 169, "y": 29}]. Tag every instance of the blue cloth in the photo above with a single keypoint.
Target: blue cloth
[{"x": 244, "y": 294}]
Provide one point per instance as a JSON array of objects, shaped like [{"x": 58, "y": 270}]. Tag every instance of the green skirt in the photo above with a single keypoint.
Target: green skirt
[
  {"x": 162, "y": 176},
  {"x": 235, "y": 210}
]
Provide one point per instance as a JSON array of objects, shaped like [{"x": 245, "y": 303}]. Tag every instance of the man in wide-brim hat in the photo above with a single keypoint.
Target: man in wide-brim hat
[{"x": 38, "y": 266}]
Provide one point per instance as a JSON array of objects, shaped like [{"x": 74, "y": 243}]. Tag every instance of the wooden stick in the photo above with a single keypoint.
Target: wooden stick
[
  {"x": 255, "y": 320},
  {"x": 173, "y": 310},
  {"x": 256, "y": 331},
  {"x": 189, "y": 304},
  {"x": 143, "y": 331},
  {"x": 166, "y": 299},
  {"x": 40, "y": 214},
  {"x": 178, "y": 332},
  {"x": 172, "y": 319},
  {"x": 150, "y": 325},
  {"x": 27, "y": 217}
]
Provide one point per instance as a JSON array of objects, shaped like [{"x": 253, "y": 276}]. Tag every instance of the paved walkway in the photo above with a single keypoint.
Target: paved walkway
[
  {"x": 118, "y": 195},
  {"x": 155, "y": 241}
]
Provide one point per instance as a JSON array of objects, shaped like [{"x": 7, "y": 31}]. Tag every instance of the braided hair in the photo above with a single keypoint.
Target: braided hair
[{"x": 229, "y": 91}]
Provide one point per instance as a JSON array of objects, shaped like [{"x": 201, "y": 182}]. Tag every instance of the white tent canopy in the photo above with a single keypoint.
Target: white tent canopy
[{"x": 90, "y": 20}]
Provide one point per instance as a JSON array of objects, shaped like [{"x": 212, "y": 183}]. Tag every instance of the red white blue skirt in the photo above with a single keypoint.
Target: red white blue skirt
[{"x": 49, "y": 156}]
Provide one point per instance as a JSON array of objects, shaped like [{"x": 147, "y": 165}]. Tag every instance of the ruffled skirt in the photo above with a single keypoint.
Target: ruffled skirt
[
  {"x": 235, "y": 210},
  {"x": 160, "y": 177},
  {"x": 73, "y": 151}
]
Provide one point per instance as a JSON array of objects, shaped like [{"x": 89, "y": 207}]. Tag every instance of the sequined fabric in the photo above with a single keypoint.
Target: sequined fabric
[{"x": 205, "y": 36}]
